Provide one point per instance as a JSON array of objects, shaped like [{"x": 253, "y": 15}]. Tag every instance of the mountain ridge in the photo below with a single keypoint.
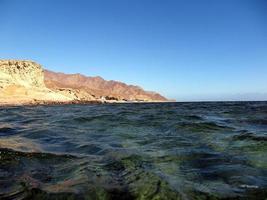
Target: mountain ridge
[{"x": 100, "y": 87}]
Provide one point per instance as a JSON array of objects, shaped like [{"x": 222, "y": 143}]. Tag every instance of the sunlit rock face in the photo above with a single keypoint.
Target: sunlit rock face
[
  {"x": 21, "y": 72},
  {"x": 22, "y": 81}
]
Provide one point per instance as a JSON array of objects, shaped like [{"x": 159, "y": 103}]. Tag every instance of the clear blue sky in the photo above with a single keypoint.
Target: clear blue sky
[{"x": 188, "y": 50}]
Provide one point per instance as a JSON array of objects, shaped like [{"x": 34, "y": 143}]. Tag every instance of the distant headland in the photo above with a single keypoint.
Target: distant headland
[{"x": 24, "y": 82}]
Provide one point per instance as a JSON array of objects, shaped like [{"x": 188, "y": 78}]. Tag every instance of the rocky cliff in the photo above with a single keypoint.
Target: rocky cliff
[
  {"x": 23, "y": 81},
  {"x": 23, "y": 73}
]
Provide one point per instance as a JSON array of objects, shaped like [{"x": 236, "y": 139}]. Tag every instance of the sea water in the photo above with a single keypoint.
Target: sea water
[{"x": 215, "y": 150}]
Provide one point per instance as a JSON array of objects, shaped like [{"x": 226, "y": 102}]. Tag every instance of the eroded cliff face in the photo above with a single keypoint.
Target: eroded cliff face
[
  {"x": 22, "y": 81},
  {"x": 23, "y": 73}
]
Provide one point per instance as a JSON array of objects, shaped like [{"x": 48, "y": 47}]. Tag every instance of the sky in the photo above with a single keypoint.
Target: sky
[{"x": 188, "y": 50}]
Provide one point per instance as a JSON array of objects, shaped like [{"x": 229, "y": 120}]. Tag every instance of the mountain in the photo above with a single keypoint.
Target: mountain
[
  {"x": 99, "y": 87},
  {"x": 25, "y": 82}
]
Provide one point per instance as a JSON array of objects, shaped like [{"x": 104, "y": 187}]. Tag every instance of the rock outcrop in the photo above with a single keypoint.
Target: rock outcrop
[
  {"x": 24, "y": 73},
  {"x": 24, "y": 82}
]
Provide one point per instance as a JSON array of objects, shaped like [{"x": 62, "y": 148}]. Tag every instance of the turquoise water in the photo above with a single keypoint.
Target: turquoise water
[{"x": 134, "y": 151}]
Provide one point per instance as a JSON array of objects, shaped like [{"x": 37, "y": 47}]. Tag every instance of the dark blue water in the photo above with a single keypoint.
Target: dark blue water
[{"x": 134, "y": 151}]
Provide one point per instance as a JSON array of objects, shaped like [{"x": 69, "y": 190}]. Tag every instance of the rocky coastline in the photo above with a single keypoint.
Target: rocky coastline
[{"x": 24, "y": 82}]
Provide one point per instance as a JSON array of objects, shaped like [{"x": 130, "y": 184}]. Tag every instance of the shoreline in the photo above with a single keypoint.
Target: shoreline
[
  {"x": 75, "y": 102},
  {"x": 25, "y": 82},
  {"x": 95, "y": 102}
]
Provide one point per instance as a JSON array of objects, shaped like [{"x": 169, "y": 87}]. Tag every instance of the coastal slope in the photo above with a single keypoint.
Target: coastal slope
[{"x": 26, "y": 82}]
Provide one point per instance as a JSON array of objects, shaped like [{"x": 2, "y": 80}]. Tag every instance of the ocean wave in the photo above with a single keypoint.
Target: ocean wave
[
  {"x": 201, "y": 126},
  {"x": 245, "y": 135},
  {"x": 7, "y": 129}
]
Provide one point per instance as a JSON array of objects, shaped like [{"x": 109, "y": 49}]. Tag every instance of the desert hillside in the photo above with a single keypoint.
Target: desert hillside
[
  {"x": 23, "y": 81},
  {"x": 99, "y": 87}
]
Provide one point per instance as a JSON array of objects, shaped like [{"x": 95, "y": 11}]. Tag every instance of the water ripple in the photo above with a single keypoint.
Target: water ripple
[{"x": 186, "y": 151}]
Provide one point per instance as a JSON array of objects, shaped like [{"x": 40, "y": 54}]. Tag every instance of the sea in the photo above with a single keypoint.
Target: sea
[{"x": 186, "y": 151}]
